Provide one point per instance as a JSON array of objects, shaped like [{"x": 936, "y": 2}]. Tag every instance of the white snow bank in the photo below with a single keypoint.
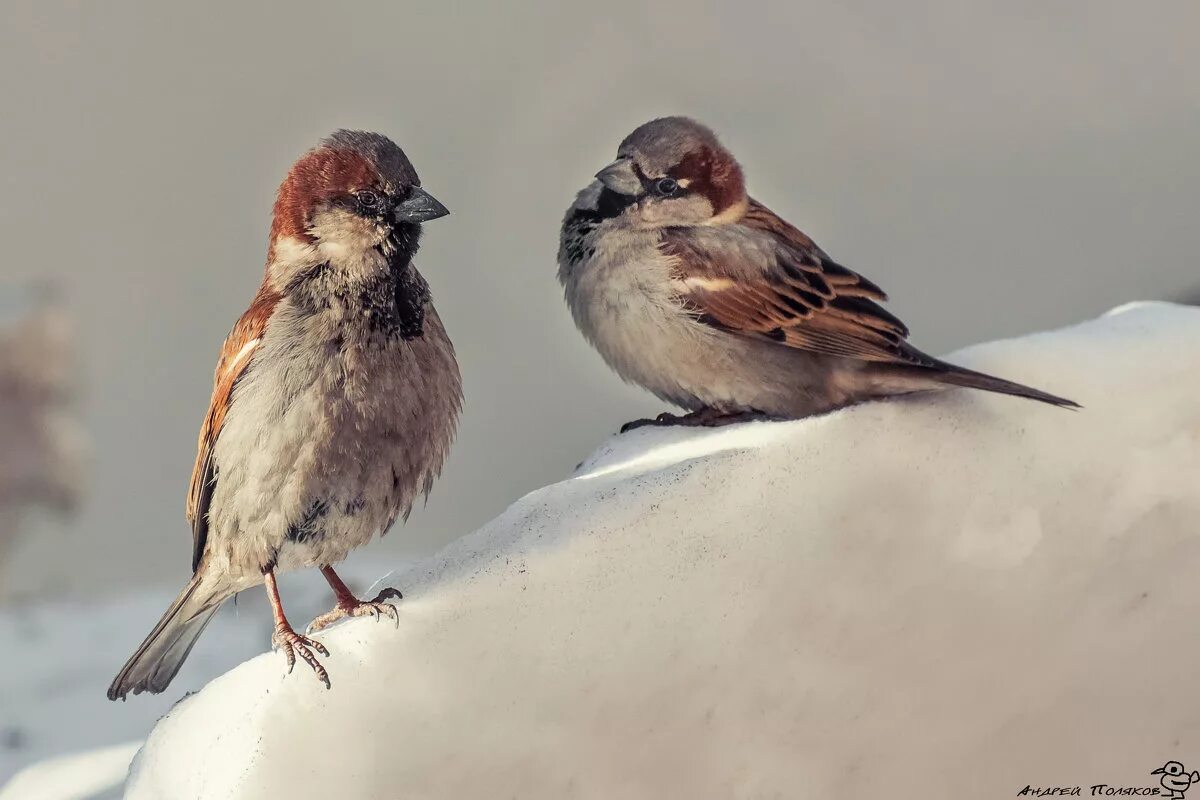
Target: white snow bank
[
  {"x": 60, "y": 656},
  {"x": 82, "y": 776},
  {"x": 952, "y": 596}
]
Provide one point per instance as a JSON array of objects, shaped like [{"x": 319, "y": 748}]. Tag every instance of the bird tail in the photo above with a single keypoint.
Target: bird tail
[
  {"x": 960, "y": 376},
  {"x": 930, "y": 373},
  {"x": 158, "y": 658}
]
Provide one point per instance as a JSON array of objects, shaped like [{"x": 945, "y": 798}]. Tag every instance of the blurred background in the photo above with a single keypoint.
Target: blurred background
[{"x": 998, "y": 167}]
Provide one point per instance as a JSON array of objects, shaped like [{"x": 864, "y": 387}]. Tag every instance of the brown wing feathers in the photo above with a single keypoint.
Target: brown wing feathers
[
  {"x": 235, "y": 357},
  {"x": 801, "y": 299}
]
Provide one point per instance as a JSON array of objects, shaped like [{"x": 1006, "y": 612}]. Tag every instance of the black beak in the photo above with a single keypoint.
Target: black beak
[
  {"x": 420, "y": 206},
  {"x": 621, "y": 178},
  {"x": 1158, "y": 771}
]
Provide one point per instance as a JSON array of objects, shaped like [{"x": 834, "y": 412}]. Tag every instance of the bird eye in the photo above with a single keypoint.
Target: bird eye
[
  {"x": 367, "y": 200},
  {"x": 665, "y": 187}
]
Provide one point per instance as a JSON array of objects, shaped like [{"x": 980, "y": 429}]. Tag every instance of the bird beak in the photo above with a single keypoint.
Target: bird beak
[
  {"x": 620, "y": 177},
  {"x": 420, "y": 207},
  {"x": 1158, "y": 771}
]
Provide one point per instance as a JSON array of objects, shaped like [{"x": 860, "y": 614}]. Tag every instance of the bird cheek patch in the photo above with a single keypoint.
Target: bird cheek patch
[
  {"x": 688, "y": 210},
  {"x": 731, "y": 214},
  {"x": 337, "y": 226}
]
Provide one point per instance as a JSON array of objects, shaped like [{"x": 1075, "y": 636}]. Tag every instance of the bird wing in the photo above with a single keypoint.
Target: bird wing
[
  {"x": 763, "y": 278},
  {"x": 236, "y": 355}
]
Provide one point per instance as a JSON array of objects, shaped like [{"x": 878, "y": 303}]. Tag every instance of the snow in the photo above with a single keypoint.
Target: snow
[
  {"x": 947, "y": 596},
  {"x": 63, "y": 655},
  {"x": 85, "y": 776},
  {"x": 53, "y": 692}
]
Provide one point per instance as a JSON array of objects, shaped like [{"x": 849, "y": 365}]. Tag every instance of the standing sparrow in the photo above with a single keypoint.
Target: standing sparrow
[
  {"x": 694, "y": 290},
  {"x": 336, "y": 398}
]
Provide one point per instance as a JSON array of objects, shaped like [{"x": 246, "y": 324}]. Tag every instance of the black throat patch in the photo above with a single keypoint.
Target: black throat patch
[
  {"x": 409, "y": 291},
  {"x": 411, "y": 294},
  {"x": 391, "y": 304},
  {"x": 579, "y": 225},
  {"x": 609, "y": 205}
]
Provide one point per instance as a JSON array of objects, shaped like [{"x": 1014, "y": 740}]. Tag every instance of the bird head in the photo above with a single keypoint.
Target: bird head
[
  {"x": 353, "y": 193},
  {"x": 672, "y": 171}
]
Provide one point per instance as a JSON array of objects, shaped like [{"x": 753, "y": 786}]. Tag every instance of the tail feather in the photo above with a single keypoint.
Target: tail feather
[
  {"x": 940, "y": 372},
  {"x": 160, "y": 656}
]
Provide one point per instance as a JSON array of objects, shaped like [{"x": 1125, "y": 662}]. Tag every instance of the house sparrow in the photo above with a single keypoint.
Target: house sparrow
[
  {"x": 694, "y": 290},
  {"x": 336, "y": 398}
]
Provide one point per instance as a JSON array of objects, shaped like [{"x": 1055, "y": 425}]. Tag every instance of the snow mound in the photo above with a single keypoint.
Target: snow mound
[
  {"x": 94, "y": 775},
  {"x": 950, "y": 596},
  {"x": 63, "y": 653}
]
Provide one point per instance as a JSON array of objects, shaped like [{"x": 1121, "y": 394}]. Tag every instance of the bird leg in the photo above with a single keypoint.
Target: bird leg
[
  {"x": 704, "y": 418},
  {"x": 350, "y": 606},
  {"x": 290, "y": 642}
]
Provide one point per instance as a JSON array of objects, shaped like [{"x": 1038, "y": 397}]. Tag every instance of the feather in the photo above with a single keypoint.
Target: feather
[
  {"x": 762, "y": 277},
  {"x": 236, "y": 356}
]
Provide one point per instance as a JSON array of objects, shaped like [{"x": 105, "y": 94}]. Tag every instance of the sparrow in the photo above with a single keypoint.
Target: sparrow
[
  {"x": 1175, "y": 778},
  {"x": 694, "y": 290},
  {"x": 335, "y": 400}
]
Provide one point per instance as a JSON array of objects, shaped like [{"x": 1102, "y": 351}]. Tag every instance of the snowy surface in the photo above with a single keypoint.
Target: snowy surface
[
  {"x": 64, "y": 655},
  {"x": 60, "y": 657},
  {"x": 94, "y": 775},
  {"x": 953, "y": 596}
]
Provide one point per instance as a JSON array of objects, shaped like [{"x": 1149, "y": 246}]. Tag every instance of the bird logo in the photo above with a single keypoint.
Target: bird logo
[{"x": 1176, "y": 779}]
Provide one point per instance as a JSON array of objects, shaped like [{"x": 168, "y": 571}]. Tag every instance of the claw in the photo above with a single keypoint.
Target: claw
[
  {"x": 360, "y": 608},
  {"x": 292, "y": 643},
  {"x": 388, "y": 593},
  {"x": 703, "y": 418},
  {"x": 665, "y": 418}
]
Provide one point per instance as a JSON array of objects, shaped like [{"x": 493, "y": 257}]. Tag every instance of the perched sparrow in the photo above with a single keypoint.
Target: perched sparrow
[
  {"x": 692, "y": 289},
  {"x": 336, "y": 399}
]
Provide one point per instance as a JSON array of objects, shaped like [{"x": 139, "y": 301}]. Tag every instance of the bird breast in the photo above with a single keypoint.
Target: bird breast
[
  {"x": 336, "y": 427},
  {"x": 621, "y": 297}
]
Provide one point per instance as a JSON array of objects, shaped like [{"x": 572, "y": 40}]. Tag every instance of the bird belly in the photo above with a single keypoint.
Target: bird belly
[
  {"x": 325, "y": 446},
  {"x": 623, "y": 303},
  {"x": 626, "y": 311}
]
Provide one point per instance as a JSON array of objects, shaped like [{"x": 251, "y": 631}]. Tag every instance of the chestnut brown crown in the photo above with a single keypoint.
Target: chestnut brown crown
[{"x": 358, "y": 173}]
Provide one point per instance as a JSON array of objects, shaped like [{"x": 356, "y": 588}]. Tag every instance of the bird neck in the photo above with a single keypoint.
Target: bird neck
[{"x": 378, "y": 286}]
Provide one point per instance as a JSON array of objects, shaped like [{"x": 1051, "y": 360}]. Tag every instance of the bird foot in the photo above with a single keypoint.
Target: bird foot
[
  {"x": 704, "y": 418},
  {"x": 354, "y": 607},
  {"x": 662, "y": 419},
  {"x": 291, "y": 643}
]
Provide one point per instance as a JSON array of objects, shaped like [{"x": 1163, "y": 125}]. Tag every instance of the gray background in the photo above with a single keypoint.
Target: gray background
[{"x": 999, "y": 167}]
